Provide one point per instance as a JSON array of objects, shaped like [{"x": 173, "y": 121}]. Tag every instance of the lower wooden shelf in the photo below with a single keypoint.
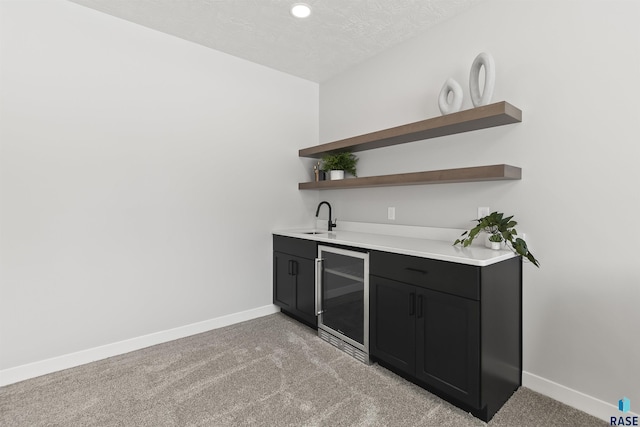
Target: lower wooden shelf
[{"x": 471, "y": 174}]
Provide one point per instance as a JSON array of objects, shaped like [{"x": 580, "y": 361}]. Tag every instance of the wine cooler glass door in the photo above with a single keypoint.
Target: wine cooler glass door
[{"x": 344, "y": 295}]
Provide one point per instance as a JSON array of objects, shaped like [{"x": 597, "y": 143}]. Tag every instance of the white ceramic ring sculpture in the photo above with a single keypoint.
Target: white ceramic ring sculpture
[
  {"x": 450, "y": 86},
  {"x": 483, "y": 60}
]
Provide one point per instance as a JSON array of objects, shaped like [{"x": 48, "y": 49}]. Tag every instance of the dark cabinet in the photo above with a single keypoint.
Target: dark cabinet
[
  {"x": 427, "y": 334},
  {"x": 392, "y": 323},
  {"x": 294, "y": 277},
  {"x": 447, "y": 344},
  {"x": 453, "y": 329}
]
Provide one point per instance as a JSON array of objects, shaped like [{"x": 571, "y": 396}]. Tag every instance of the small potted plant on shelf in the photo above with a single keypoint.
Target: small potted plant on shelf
[
  {"x": 339, "y": 163},
  {"x": 501, "y": 232}
]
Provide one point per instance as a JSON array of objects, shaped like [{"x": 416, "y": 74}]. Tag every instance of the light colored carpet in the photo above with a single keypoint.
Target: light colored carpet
[{"x": 270, "y": 371}]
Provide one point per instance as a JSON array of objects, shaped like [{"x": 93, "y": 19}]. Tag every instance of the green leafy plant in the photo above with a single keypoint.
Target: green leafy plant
[
  {"x": 499, "y": 228},
  {"x": 345, "y": 161}
]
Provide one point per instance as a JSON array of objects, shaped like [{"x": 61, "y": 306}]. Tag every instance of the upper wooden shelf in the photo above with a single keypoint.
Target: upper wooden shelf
[
  {"x": 470, "y": 174},
  {"x": 497, "y": 114}
]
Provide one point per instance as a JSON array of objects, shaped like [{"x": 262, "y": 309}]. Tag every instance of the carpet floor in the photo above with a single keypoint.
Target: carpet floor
[{"x": 270, "y": 371}]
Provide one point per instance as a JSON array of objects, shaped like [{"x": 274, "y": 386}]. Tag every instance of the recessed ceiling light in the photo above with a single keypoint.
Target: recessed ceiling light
[{"x": 301, "y": 10}]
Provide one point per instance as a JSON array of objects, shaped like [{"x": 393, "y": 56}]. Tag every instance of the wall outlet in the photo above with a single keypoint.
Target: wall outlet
[
  {"x": 483, "y": 211},
  {"x": 391, "y": 213}
]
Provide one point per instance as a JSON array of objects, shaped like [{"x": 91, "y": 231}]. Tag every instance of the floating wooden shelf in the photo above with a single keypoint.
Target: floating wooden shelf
[
  {"x": 498, "y": 114},
  {"x": 471, "y": 174}
]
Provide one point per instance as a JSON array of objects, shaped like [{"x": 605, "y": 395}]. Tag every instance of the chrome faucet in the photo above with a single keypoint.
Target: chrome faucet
[{"x": 331, "y": 224}]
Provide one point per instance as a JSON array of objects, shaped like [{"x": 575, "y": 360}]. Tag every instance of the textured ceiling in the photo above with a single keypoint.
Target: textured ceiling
[{"x": 337, "y": 35}]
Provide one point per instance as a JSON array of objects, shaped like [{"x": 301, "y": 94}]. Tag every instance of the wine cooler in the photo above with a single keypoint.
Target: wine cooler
[{"x": 342, "y": 300}]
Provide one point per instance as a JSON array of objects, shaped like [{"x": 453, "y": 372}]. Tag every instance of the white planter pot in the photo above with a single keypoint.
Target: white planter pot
[
  {"x": 334, "y": 175},
  {"x": 496, "y": 245},
  {"x": 493, "y": 245}
]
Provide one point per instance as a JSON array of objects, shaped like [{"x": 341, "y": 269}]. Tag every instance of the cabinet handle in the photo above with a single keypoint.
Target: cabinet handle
[
  {"x": 412, "y": 304},
  {"x": 289, "y": 267},
  {"x": 294, "y": 268},
  {"x": 416, "y": 270},
  {"x": 318, "y": 305},
  {"x": 419, "y": 306}
]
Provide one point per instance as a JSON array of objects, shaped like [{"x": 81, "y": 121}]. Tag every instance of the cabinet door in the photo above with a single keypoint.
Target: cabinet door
[
  {"x": 283, "y": 283},
  {"x": 447, "y": 344},
  {"x": 303, "y": 273},
  {"x": 393, "y": 322},
  {"x": 294, "y": 287}
]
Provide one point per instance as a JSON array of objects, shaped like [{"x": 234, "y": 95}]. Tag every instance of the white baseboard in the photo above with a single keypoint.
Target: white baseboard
[
  {"x": 36, "y": 369},
  {"x": 589, "y": 404}
]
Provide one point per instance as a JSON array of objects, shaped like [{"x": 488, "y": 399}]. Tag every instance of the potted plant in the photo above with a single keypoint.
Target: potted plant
[
  {"x": 495, "y": 241},
  {"x": 336, "y": 164},
  {"x": 500, "y": 229}
]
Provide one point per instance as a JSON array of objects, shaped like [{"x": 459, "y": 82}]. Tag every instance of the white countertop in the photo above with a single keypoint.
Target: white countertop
[{"x": 442, "y": 250}]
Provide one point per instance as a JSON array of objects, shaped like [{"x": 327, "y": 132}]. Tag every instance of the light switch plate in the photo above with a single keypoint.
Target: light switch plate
[{"x": 483, "y": 211}]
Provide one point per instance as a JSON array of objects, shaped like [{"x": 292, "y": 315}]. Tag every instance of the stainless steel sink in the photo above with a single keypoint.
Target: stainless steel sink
[{"x": 315, "y": 232}]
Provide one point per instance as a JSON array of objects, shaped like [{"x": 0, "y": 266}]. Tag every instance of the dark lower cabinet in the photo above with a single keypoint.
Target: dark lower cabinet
[
  {"x": 455, "y": 333},
  {"x": 294, "y": 278},
  {"x": 392, "y": 323},
  {"x": 427, "y": 334},
  {"x": 453, "y": 329},
  {"x": 447, "y": 344}
]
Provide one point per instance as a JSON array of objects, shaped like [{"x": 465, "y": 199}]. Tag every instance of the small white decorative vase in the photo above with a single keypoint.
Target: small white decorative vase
[
  {"x": 482, "y": 60},
  {"x": 450, "y": 87},
  {"x": 335, "y": 175}
]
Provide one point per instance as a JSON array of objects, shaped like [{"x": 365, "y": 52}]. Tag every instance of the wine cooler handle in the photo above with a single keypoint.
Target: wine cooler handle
[{"x": 318, "y": 286}]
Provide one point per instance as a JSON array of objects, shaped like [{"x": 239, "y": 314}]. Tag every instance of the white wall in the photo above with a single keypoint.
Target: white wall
[
  {"x": 573, "y": 68},
  {"x": 141, "y": 176}
]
